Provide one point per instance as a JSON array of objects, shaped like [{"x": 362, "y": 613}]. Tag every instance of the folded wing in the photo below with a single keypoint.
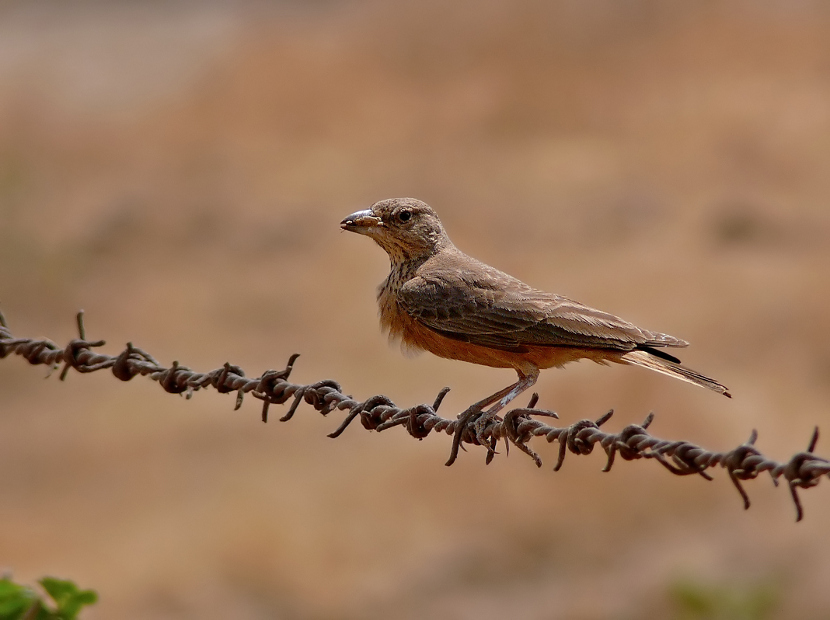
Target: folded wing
[{"x": 487, "y": 307}]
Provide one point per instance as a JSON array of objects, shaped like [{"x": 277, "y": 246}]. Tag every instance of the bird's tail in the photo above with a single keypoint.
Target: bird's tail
[{"x": 673, "y": 369}]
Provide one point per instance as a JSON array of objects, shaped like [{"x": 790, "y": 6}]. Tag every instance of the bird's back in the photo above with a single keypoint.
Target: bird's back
[{"x": 465, "y": 299}]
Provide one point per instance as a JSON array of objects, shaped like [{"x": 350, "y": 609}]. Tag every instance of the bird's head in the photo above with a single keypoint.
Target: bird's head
[{"x": 406, "y": 228}]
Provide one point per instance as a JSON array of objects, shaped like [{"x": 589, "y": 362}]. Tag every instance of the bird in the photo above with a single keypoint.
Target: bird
[{"x": 438, "y": 299}]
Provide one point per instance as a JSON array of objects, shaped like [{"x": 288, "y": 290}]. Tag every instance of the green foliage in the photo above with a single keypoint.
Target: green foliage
[
  {"x": 696, "y": 601},
  {"x": 19, "y": 602}
]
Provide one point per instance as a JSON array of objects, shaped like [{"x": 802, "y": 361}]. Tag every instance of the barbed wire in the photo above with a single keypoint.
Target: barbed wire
[{"x": 517, "y": 427}]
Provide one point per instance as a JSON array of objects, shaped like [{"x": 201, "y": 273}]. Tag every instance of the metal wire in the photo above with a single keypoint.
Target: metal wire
[{"x": 517, "y": 427}]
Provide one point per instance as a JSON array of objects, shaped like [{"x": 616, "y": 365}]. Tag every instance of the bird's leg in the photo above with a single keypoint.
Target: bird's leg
[
  {"x": 526, "y": 380},
  {"x": 476, "y": 411}
]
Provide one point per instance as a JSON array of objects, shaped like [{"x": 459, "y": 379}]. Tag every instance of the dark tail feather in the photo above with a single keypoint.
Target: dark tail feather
[
  {"x": 659, "y": 353},
  {"x": 646, "y": 359}
]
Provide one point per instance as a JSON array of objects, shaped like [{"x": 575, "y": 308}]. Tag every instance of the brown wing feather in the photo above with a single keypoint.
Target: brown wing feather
[{"x": 481, "y": 305}]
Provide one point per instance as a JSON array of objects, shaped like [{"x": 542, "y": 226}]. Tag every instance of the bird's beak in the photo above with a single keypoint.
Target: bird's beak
[{"x": 361, "y": 222}]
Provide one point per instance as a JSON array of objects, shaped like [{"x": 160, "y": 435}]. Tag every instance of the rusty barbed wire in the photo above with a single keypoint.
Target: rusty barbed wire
[{"x": 804, "y": 470}]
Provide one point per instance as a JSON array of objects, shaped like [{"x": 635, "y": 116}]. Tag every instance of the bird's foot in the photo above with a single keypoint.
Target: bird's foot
[
  {"x": 472, "y": 426},
  {"x": 480, "y": 426}
]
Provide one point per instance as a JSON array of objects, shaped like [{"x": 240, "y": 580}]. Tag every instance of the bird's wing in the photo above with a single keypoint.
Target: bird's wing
[{"x": 484, "y": 306}]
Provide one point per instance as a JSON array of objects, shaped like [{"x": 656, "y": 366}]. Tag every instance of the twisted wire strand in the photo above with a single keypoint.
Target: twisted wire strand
[{"x": 517, "y": 427}]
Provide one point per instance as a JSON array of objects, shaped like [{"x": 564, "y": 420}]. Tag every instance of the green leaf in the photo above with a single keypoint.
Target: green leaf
[
  {"x": 68, "y": 597},
  {"x": 59, "y": 589},
  {"x": 19, "y": 602},
  {"x": 14, "y": 599}
]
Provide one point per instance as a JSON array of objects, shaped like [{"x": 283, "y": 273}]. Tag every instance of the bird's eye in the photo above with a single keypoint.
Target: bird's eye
[{"x": 405, "y": 215}]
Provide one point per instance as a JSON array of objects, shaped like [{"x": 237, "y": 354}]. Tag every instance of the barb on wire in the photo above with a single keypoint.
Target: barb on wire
[{"x": 518, "y": 426}]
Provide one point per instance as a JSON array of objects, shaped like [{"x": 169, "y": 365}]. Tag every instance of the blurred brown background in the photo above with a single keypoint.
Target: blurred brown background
[{"x": 179, "y": 171}]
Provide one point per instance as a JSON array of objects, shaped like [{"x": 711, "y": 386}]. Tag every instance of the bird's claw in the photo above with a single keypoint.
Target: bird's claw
[{"x": 472, "y": 426}]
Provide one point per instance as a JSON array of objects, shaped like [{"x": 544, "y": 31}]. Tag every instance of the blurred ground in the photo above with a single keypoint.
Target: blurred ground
[{"x": 179, "y": 171}]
